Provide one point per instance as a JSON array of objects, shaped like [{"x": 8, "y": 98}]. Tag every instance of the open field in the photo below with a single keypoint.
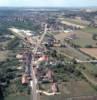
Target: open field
[
  {"x": 84, "y": 35},
  {"x": 68, "y": 89},
  {"x": 18, "y": 97},
  {"x": 83, "y": 39},
  {"x": 72, "y": 89},
  {"x": 73, "y": 53},
  {"x": 62, "y": 36},
  {"x": 76, "y": 21},
  {"x": 91, "y": 68},
  {"x": 3, "y": 55},
  {"x": 90, "y": 30},
  {"x": 90, "y": 51},
  {"x": 72, "y": 24}
]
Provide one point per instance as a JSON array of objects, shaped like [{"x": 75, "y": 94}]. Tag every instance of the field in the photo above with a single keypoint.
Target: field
[
  {"x": 76, "y": 21},
  {"x": 68, "y": 89},
  {"x": 83, "y": 39},
  {"x": 60, "y": 36},
  {"x": 18, "y": 97},
  {"x": 3, "y": 55},
  {"x": 72, "y": 89},
  {"x": 84, "y": 35},
  {"x": 91, "y": 30},
  {"x": 90, "y": 51},
  {"x": 72, "y": 53}
]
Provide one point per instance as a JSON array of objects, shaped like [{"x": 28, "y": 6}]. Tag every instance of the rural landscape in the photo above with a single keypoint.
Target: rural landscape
[{"x": 48, "y": 52}]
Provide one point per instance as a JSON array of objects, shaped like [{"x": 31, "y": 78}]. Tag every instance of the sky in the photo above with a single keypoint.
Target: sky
[{"x": 48, "y": 3}]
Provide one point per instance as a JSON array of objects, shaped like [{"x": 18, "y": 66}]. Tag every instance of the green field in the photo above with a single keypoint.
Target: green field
[
  {"x": 73, "y": 53},
  {"x": 85, "y": 34},
  {"x": 76, "y": 21},
  {"x": 72, "y": 88},
  {"x": 18, "y": 97},
  {"x": 91, "y": 30},
  {"x": 84, "y": 39},
  {"x": 67, "y": 89}
]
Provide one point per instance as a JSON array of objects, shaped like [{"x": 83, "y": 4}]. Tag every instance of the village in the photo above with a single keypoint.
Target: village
[{"x": 53, "y": 61}]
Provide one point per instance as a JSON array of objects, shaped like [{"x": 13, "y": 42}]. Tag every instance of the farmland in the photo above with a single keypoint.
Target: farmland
[
  {"x": 70, "y": 89},
  {"x": 90, "y": 51},
  {"x": 3, "y": 55},
  {"x": 76, "y": 21},
  {"x": 84, "y": 35},
  {"x": 91, "y": 30},
  {"x": 83, "y": 39}
]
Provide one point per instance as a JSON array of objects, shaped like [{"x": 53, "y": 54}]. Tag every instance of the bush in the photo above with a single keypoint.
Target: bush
[{"x": 89, "y": 46}]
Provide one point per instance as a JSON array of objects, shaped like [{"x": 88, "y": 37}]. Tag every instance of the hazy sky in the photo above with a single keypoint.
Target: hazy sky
[{"x": 49, "y": 3}]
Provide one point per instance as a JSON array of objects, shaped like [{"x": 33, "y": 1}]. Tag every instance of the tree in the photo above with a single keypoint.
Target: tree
[
  {"x": 94, "y": 36},
  {"x": 1, "y": 94},
  {"x": 54, "y": 53},
  {"x": 89, "y": 46}
]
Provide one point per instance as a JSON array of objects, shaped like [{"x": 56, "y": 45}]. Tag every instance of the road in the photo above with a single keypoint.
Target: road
[
  {"x": 34, "y": 88},
  {"x": 47, "y": 93}
]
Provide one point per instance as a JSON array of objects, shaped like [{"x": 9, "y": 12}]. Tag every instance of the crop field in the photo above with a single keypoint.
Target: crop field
[
  {"x": 72, "y": 53},
  {"x": 3, "y": 55},
  {"x": 18, "y": 97},
  {"x": 90, "y": 30},
  {"x": 76, "y": 21},
  {"x": 90, "y": 51},
  {"x": 60, "y": 36},
  {"x": 83, "y": 39},
  {"x": 71, "y": 89}
]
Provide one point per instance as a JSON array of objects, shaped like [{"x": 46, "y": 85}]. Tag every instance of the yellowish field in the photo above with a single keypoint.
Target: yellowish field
[
  {"x": 90, "y": 51},
  {"x": 72, "y": 24},
  {"x": 3, "y": 55},
  {"x": 62, "y": 36}
]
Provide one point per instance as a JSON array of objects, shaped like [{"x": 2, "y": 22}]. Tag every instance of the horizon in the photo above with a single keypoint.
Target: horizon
[
  {"x": 49, "y": 3},
  {"x": 89, "y": 7}
]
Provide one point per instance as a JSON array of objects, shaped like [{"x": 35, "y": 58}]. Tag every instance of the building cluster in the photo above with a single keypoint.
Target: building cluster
[{"x": 34, "y": 61}]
